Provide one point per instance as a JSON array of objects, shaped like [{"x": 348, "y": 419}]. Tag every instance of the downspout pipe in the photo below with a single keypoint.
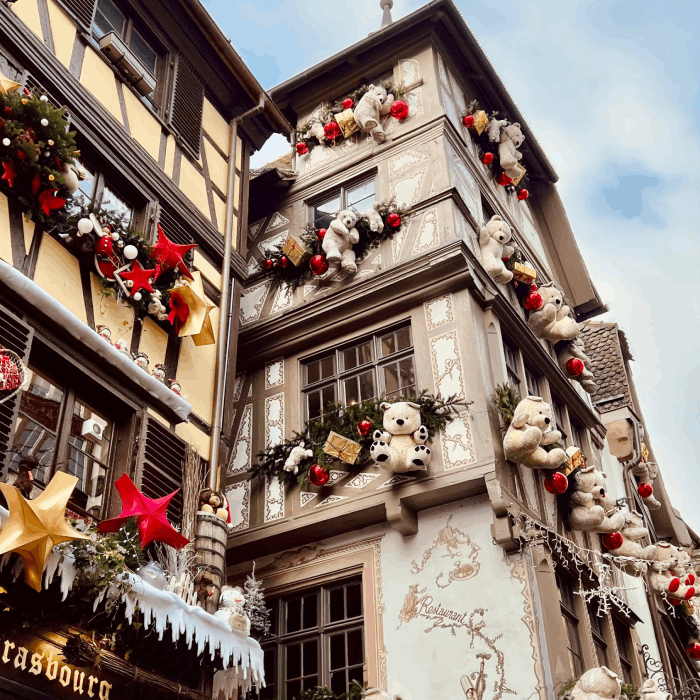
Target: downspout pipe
[{"x": 225, "y": 308}]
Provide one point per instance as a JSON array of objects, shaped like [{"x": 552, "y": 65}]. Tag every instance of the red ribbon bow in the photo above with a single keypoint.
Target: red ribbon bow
[{"x": 179, "y": 311}]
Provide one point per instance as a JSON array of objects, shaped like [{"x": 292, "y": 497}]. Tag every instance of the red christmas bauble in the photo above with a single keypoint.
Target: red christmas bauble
[
  {"x": 645, "y": 490},
  {"x": 318, "y": 264},
  {"x": 468, "y": 121},
  {"x": 105, "y": 246},
  {"x": 523, "y": 195},
  {"x": 348, "y": 103},
  {"x": 318, "y": 476},
  {"x": 331, "y": 131},
  {"x": 399, "y": 110},
  {"x": 321, "y": 234},
  {"x": 504, "y": 180},
  {"x": 556, "y": 483},
  {"x": 10, "y": 376},
  {"x": 302, "y": 148},
  {"x": 613, "y": 540},
  {"x": 574, "y": 367},
  {"x": 487, "y": 158},
  {"x": 393, "y": 220},
  {"x": 532, "y": 301},
  {"x": 283, "y": 261},
  {"x": 268, "y": 264},
  {"x": 693, "y": 650},
  {"x": 363, "y": 427}
]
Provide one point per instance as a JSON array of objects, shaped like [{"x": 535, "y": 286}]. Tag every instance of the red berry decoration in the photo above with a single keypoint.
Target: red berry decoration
[
  {"x": 574, "y": 367},
  {"x": 10, "y": 376},
  {"x": 556, "y": 483},
  {"x": 318, "y": 264},
  {"x": 331, "y": 131},
  {"x": 645, "y": 490},
  {"x": 613, "y": 540},
  {"x": 363, "y": 427},
  {"x": 268, "y": 264},
  {"x": 469, "y": 121},
  {"x": 348, "y": 103},
  {"x": 393, "y": 220},
  {"x": 693, "y": 650},
  {"x": 523, "y": 195},
  {"x": 283, "y": 261},
  {"x": 504, "y": 180},
  {"x": 399, "y": 110},
  {"x": 321, "y": 234},
  {"x": 532, "y": 301},
  {"x": 318, "y": 476},
  {"x": 487, "y": 158},
  {"x": 302, "y": 148}
]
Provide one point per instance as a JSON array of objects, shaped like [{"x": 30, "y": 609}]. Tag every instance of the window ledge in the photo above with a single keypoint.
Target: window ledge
[{"x": 33, "y": 294}]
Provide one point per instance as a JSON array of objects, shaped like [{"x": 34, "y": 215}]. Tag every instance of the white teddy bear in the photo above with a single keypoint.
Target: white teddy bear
[
  {"x": 646, "y": 471},
  {"x": 509, "y": 155},
  {"x": 493, "y": 240},
  {"x": 231, "y": 610},
  {"x": 632, "y": 531},
  {"x": 376, "y": 223},
  {"x": 592, "y": 510},
  {"x": 297, "y": 455},
  {"x": 650, "y": 691},
  {"x": 551, "y": 321},
  {"x": 316, "y": 128},
  {"x": 662, "y": 580},
  {"x": 597, "y": 684},
  {"x": 576, "y": 350},
  {"x": 530, "y": 429},
  {"x": 400, "y": 446},
  {"x": 340, "y": 237},
  {"x": 373, "y": 105}
]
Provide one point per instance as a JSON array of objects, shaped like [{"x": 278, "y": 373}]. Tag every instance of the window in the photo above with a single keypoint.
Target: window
[
  {"x": 62, "y": 432},
  {"x": 359, "y": 197},
  {"x": 94, "y": 189},
  {"x": 598, "y": 632},
  {"x": 577, "y": 434},
  {"x": 532, "y": 381},
  {"x": 378, "y": 366},
  {"x": 511, "y": 355},
  {"x": 317, "y": 639},
  {"x": 568, "y": 612},
  {"x": 624, "y": 648},
  {"x": 487, "y": 211},
  {"x": 559, "y": 413}
]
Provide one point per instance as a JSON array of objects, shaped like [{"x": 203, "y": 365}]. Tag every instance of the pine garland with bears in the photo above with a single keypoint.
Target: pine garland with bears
[{"x": 436, "y": 414}]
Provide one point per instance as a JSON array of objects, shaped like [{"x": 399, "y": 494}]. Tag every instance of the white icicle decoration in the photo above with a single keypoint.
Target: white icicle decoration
[{"x": 63, "y": 564}]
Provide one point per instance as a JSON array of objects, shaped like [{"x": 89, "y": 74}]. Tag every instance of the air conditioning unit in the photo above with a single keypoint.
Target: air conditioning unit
[
  {"x": 92, "y": 430},
  {"x": 126, "y": 61}
]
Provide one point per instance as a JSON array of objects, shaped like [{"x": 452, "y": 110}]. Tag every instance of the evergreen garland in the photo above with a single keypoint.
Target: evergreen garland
[
  {"x": 506, "y": 400},
  {"x": 436, "y": 414},
  {"x": 31, "y": 166},
  {"x": 322, "y": 692}
]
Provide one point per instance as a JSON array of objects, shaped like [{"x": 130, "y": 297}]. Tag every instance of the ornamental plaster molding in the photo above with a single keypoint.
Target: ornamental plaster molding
[
  {"x": 238, "y": 496},
  {"x": 241, "y": 455},
  {"x": 439, "y": 311}
]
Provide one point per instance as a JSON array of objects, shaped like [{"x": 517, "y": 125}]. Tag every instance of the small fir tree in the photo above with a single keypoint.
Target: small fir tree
[{"x": 255, "y": 607}]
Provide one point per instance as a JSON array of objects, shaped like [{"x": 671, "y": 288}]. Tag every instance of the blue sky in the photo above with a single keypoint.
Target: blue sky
[{"x": 610, "y": 87}]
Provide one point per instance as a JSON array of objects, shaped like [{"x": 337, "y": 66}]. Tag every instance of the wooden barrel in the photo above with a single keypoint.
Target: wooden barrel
[{"x": 210, "y": 549}]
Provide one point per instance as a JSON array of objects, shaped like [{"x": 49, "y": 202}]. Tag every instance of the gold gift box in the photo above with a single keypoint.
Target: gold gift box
[
  {"x": 520, "y": 177},
  {"x": 342, "y": 448},
  {"x": 524, "y": 274},
  {"x": 346, "y": 122},
  {"x": 480, "y": 121},
  {"x": 295, "y": 250},
  {"x": 575, "y": 460}
]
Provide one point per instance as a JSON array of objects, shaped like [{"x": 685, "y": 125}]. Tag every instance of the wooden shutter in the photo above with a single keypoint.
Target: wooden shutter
[
  {"x": 162, "y": 458},
  {"x": 187, "y": 105},
  {"x": 82, "y": 10},
  {"x": 17, "y": 336}
]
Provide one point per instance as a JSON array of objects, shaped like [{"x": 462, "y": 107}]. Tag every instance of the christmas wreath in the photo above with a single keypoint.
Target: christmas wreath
[
  {"x": 333, "y": 123},
  {"x": 488, "y": 132},
  {"x": 353, "y": 424},
  {"x": 36, "y": 154},
  {"x": 302, "y": 258}
]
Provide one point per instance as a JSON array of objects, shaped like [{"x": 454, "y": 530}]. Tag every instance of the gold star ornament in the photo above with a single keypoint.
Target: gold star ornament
[
  {"x": 7, "y": 85},
  {"x": 198, "y": 323},
  {"x": 36, "y": 526}
]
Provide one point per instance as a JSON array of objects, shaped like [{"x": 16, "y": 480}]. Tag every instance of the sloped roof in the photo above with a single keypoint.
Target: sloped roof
[{"x": 608, "y": 349}]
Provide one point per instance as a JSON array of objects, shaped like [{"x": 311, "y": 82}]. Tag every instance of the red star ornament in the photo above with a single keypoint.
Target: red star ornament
[
  {"x": 168, "y": 255},
  {"x": 49, "y": 201},
  {"x": 150, "y": 514},
  {"x": 9, "y": 174},
  {"x": 140, "y": 277}
]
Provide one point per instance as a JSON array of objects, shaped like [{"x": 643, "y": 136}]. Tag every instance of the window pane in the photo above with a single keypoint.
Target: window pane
[
  {"x": 116, "y": 205},
  {"x": 349, "y": 358},
  {"x": 314, "y": 399},
  {"x": 355, "y": 674},
  {"x": 41, "y": 400},
  {"x": 352, "y": 391},
  {"x": 391, "y": 378},
  {"x": 86, "y": 187},
  {"x": 293, "y": 690},
  {"x": 361, "y": 196},
  {"x": 337, "y": 604},
  {"x": 388, "y": 344},
  {"x": 354, "y": 598},
  {"x": 313, "y": 372},
  {"x": 294, "y": 661},
  {"x": 406, "y": 377},
  {"x": 143, "y": 51},
  {"x": 310, "y": 658},
  {"x": 310, "y": 683},
  {"x": 310, "y": 611},
  {"x": 403, "y": 338},
  {"x": 294, "y": 615},
  {"x": 355, "y": 653},
  {"x": 328, "y": 396},
  {"x": 367, "y": 385},
  {"x": 327, "y": 367},
  {"x": 108, "y": 18},
  {"x": 324, "y": 212},
  {"x": 511, "y": 356},
  {"x": 337, "y": 659},
  {"x": 339, "y": 682},
  {"x": 533, "y": 385},
  {"x": 364, "y": 353}
]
